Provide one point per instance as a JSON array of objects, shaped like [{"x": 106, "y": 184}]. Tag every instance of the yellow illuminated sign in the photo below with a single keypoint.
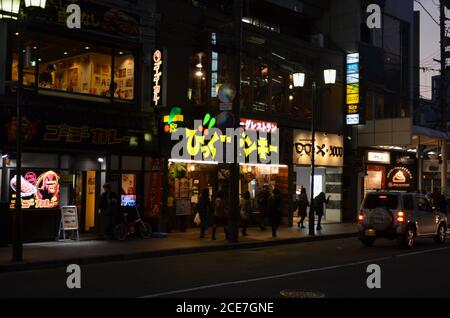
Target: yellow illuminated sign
[
  {"x": 352, "y": 89},
  {"x": 353, "y": 99},
  {"x": 352, "y": 109}
]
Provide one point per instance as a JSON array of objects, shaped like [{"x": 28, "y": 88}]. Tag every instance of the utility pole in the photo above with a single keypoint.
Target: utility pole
[
  {"x": 311, "y": 217},
  {"x": 234, "y": 167},
  {"x": 443, "y": 97}
]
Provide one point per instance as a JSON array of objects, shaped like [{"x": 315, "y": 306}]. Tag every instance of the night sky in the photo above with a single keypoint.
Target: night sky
[{"x": 429, "y": 46}]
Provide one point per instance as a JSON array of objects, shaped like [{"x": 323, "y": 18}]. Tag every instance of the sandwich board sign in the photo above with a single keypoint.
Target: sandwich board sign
[{"x": 69, "y": 221}]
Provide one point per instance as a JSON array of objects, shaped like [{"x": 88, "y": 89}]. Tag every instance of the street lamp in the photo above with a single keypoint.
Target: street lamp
[
  {"x": 35, "y": 3},
  {"x": 10, "y": 9},
  {"x": 329, "y": 78}
]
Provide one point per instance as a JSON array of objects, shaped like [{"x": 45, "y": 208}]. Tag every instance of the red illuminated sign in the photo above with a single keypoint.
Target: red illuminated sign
[{"x": 258, "y": 125}]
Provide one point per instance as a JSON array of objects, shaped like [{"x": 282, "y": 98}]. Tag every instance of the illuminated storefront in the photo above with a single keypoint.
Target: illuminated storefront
[
  {"x": 329, "y": 162},
  {"x": 389, "y": 170}
]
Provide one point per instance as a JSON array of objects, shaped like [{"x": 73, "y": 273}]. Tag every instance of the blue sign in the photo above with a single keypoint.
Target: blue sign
[{"x": 353, "y": 68}]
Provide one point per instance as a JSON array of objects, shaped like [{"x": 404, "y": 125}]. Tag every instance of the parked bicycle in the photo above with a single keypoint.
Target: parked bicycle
[{"x": 126, "y": 228}]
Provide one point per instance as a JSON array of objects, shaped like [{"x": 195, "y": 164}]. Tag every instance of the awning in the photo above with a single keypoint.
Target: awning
[{"x": 430, "y": 133}]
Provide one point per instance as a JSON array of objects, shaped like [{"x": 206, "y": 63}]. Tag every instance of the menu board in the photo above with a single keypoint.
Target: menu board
[
  {"x": 38, "y": 190},
  {"x": 183, "y": 207},
  {"x": 69, "y": 217}
]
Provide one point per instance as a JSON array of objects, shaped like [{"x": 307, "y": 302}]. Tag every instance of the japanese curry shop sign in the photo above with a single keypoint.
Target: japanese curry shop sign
[
  {"x": 329, "y": 149},
  {"x": 38, "y": 190}
]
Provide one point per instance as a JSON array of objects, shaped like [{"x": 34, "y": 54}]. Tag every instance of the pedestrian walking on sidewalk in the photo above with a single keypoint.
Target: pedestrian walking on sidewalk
[
  {"x": 108, "y": 210},
  {"x": 443, "y": 204},
  {"x": 275, "y": 212},
  {"x": 245, "y": 211},
  {"x": 205, "y": 210},
  {"x": 263, "y": 205},
  {"x": 302, "y": 205},
  {"x": 220, "y": 215},
  {"x": 318, "y": 203}
]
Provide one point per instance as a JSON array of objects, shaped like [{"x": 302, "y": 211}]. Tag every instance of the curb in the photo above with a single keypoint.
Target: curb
[{"x": 163, "y": 253}]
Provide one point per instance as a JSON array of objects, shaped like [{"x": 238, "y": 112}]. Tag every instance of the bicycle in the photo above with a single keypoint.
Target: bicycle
[{"x": 123, "y": 230}]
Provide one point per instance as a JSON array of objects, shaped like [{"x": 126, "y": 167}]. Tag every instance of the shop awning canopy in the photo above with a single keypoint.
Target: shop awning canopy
[{"x": 428, "y": 135}]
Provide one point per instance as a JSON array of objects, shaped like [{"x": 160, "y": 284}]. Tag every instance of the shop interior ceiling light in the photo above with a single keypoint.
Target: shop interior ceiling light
[
  {"x": 9, "y": 6},
  {"x": 299, "y": 79},
  {"x": 330, "y": 76}
]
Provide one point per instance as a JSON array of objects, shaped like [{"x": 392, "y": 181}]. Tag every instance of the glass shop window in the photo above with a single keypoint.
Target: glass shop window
[
  {"x": 246, "y": 82},
  {"x": 222, "y": 81},
  {"x": 260, "y": 87},
  {"x": 279, "y": 89},
  {"x": 123, "y": 75},
  {"x": 29, "y": 52},
  {"x": 76, "y": 67},
  {"x": 197, "y": 93}
]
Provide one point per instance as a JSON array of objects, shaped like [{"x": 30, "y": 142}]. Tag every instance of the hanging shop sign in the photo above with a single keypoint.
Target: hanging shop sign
[
  {"x": 383, "y": 157},
  {"x": 399, "y": 178},
  {"x": 157, "y": 74},
  {"x": 173, "y": 120},
  {"x": 353, "y": 105},
  {"x": 37, "y": 191},
  {"x": 258, "y": 125},
  {"x": 88, "y": 15},
  {"x": 329, "y": 149}
]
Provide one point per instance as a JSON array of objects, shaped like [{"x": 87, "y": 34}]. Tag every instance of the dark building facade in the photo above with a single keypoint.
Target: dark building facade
[
  {"x": 199, "y": 51},
  {"x": 87, "y": 118}
]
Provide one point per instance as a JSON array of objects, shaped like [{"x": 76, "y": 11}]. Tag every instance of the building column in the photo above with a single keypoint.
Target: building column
[
  {"x": 444, "y": 167},
  {"x": 291, "y": 194}
]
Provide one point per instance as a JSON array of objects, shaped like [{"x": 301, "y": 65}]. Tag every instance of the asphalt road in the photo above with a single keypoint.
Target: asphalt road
[{"x": 335, "y": 268}]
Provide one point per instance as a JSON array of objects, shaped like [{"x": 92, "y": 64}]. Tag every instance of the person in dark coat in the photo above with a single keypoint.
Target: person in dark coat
[
  {"x": 220, "y": 215},
  {"x": 205, "y": 210},
  {"x": 318, "y": 203},
  {"x": 245, "y": 211},
  {"x": 275, "y": 212},
  {"x": 263, "y": 204},
  {"x": 435, "y": 198},
  {"x": 108, "y": 209},
  {"x": 302, "y": 205}
]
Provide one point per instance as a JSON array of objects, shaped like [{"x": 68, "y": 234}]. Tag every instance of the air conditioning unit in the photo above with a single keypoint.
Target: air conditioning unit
[{"x": 318, "y": 40}]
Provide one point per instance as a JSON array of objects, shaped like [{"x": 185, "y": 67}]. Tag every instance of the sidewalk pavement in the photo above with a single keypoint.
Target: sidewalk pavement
[{"x": 59, "y": 254}]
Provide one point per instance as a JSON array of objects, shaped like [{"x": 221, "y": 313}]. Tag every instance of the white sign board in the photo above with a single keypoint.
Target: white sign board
[
  {"x": 69, "y": 218},
  {"x": 329, "y": 149},
  {"x": 69, "y": 221},
  {"x": 379, "y": 157}
]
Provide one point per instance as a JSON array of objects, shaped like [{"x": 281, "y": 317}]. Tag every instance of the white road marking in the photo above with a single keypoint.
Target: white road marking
[
  {"x": 245, "y": 281},
  {"x": 424, "y": 252}
]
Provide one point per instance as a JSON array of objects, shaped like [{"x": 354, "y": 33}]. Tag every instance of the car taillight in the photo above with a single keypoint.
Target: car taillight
[
  {"x": 360, "y": 217},
  {"x": 401, "y": 217}
]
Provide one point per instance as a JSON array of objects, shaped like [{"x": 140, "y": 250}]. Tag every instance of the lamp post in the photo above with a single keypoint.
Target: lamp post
[
  {"x": 10, "y": 9},
  {"x": 299, "y": 81}
]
